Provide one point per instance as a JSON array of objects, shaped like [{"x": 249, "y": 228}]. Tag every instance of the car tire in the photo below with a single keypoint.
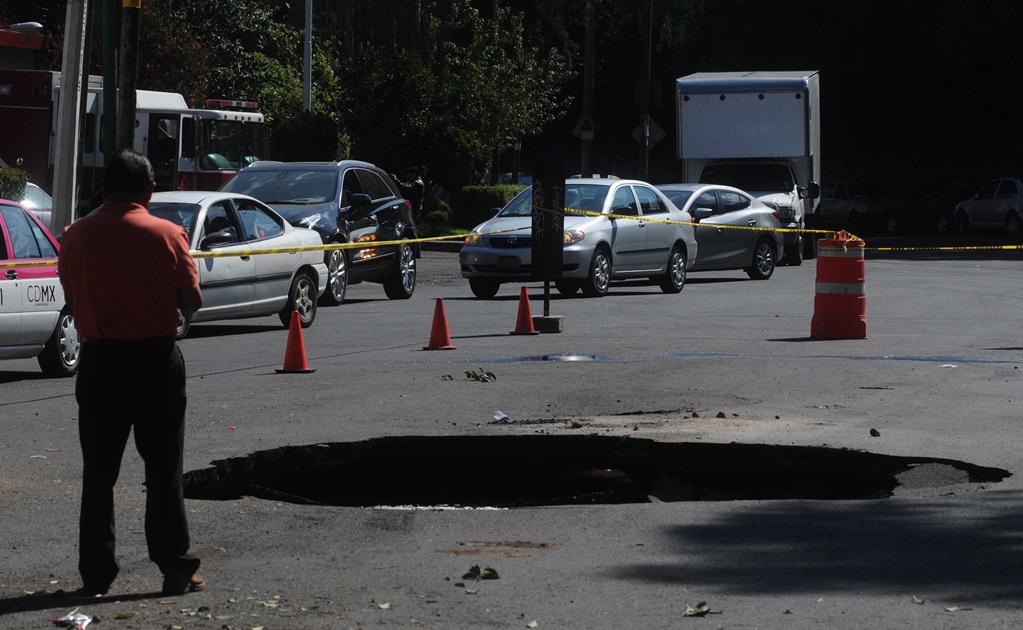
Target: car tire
[
  {"x": 337, "y": 277},
  {"x": 598, "y": 280},
  {"x": 402, "y": 282},
  {"x": 794, "y": 253},
  {"x": 484, "y": 289},
  {"x": 59, "y": 357},
  {"x": 1012, "y": 224},
  {"x": 764, "y": 256},
  {"x": 567, "y": 286},
  {"x": 301, "y": 298},
  {"x": 962, "y": 223},
  {"x": 184, "y": 323},
  {"x": 674, "y": 278}
]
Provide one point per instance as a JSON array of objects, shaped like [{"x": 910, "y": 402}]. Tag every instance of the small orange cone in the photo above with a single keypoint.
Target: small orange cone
[
  {"x": 440, "y": 338},
  {"x": 294, "y": 355},
  {"x": 524, "y": 323}
]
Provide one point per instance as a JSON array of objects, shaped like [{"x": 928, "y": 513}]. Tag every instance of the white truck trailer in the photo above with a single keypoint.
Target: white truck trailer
[{"x": 758, "y": 131}]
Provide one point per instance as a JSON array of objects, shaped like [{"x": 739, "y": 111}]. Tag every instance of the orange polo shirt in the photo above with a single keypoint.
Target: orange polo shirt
[{"x": 122, "y": 269}]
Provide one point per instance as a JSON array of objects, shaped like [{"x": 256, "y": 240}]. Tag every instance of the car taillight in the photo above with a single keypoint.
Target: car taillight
[
  {"x": 776, "y": 215},
  {"x": 408, "y": 204}
]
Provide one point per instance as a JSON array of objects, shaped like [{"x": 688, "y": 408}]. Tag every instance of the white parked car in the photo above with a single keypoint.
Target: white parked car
[
  {"x": 34, "y": 320},
  {"x": 238, "y": 283},
  {"x": 998, "y": 204},
  {"x": 615, "y": 229}
]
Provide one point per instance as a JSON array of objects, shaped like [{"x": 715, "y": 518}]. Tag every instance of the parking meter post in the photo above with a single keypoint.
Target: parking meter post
[{"x": 548, "y": 222}]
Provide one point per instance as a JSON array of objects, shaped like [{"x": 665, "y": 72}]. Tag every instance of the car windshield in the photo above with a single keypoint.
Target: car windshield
[
  {"x": 579, "y": 199},
  {"x": 290, "y": 186},
  {"x": 750, "y": 177},
  {"x": 182, "y": 214}
]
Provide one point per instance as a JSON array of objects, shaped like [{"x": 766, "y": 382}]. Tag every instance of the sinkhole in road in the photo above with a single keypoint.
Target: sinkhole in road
[{"x": 542, "y": 470}]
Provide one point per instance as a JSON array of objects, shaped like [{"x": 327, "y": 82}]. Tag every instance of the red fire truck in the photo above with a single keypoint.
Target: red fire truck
[{"x": 191, "y": 149}]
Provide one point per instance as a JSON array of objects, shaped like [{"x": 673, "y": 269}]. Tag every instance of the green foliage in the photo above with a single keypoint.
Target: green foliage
[
  {"x": 171, "y": 59},
  {"x": 12, "y": 183},
  {"x": 475, "y": 203},
  {"x": 470, "y": 91},
  {"x": 437, "y": 219},
  {"x": 307, "y": 136},
  {"x": 482, "y": 376}
]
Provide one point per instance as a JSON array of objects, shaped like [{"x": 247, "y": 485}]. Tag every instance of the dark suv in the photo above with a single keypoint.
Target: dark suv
[{"x": 346, "y": 202}]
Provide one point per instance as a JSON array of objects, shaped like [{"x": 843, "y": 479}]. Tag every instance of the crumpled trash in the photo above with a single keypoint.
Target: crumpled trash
[
  {"x": 500, "y": 417},
  {"x": 73, "y": 619}
]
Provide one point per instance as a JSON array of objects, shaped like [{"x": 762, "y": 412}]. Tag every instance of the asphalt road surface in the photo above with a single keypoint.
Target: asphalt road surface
[{"x": 723, "y": 375}]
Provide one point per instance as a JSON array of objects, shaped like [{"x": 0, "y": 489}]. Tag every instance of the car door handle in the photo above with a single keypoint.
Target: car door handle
[
  {"x": 752, "y": 222},
  {"x": 12, "y": 274},
  {"x": 245, "y": 257}
]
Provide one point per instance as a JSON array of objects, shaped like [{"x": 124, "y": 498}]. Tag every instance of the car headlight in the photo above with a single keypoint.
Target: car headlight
[
  {"x": 473, "y": 238},
  {"x": 786, "y": 212},
  {"x": 311, "y": 221},
  {"x": 574, "y": 236}
]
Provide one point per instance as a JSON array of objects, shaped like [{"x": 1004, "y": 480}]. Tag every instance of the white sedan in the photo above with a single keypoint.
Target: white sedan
[
  {"x": 238, "y": 280},
  {"x": 34, "y": 320}
]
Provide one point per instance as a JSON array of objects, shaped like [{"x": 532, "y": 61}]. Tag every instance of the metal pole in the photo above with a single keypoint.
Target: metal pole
[
  {"x": 128, "y": 79},
  {"x": 307, "y": 75},
  {"x": 65, "y": 157},
  {"x": 589, "y": 72},
  {"x": 111, "y": 43},
  {"x": 644, "y": 97}
]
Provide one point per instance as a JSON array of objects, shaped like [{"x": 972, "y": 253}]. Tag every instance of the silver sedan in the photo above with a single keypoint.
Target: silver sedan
[
  {"x": 733, "y": 229},
  {"x": 615, "y": 229},
  {"x": 238, "y": 283}
]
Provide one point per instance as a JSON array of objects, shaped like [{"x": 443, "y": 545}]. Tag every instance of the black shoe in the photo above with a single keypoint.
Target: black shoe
[{"x": 182, "y": 583}]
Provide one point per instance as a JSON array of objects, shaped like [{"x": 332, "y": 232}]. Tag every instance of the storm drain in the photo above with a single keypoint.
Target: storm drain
[{"x": 522, "y": 471}]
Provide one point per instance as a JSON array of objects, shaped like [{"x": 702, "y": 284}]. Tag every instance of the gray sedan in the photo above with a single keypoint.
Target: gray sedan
[
  {"x": 235, "y": 282},
  {"x": 751, "y": 243},
  {"x": 615, "y": 229}
]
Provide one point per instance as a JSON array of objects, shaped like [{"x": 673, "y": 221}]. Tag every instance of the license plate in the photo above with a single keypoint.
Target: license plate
[{"x": 508, "y": 263}]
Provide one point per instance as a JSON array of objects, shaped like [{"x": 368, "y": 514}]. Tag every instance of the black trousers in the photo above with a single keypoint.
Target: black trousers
[{"x": 122, "y": 386}]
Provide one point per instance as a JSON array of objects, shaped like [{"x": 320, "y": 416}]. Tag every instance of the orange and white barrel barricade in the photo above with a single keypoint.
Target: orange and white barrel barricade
[{"x": 840, "y": 306}]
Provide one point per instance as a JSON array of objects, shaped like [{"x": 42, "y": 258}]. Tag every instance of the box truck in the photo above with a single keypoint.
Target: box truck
[{"x": 760, "y": 132}]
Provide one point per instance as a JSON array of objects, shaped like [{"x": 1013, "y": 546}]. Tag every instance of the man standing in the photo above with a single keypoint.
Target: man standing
[{"x": 125, "y": 273}]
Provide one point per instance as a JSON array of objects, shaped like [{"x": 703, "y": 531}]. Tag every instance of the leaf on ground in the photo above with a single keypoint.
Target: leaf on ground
[
  {"x": 951, "y": 608},
  {"x": 473, "y": 573},
  {"x": 489, "y": 574},
  {"x": 123, "y": 616},
  {"x": 384, "y": 606},
  {"x": 472, "y": 591},
  {"x": 533, "y": 624},
  {"x": 699, "y": 610},
  {"x": 917, "y": 600}
]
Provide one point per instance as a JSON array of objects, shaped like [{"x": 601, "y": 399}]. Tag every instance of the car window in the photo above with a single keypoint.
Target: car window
[
  {"x": 988, "y": 191},
  {"x": 373, "y": 185},
  {"x": 829, "y": 192},
  {"x": 27, "y": 239},
  {"x": 731, "y": 201},
  {"x": 520, "y": 206},
  {"x": 624, "y": 202},
  {"x": 350, "y": 185},
  {"x": 37, "y": 199},
  {"x": 707, "y": 200},
  {"x": 285, "y": 186},
  {"x": 649, "y": 202},
  {"x": 218, "y": 219},
  {"x": 257, "y": 223},
  {"x": 1007, "y": 190}
]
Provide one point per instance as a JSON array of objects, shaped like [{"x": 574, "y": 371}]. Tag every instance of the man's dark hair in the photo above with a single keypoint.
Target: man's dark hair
[{"x": 128, "y": 176}]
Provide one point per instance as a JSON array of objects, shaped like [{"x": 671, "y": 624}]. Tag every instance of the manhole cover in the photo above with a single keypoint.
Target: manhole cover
[{"x": 521, "y": 471}]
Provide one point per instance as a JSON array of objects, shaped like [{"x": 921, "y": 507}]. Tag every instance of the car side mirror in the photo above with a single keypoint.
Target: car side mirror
[
  {"x": 361, "y": 199},
  {"x": 812, "y": 191},
  {"x": 222, "y": 237},
  {"x": 493, "y": 212},
  {"x": 702, "y": 213}
]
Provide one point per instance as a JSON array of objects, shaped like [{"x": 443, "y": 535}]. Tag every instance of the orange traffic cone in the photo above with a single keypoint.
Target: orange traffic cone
[
  {"x": 294, "y": 355},
  {"x": 440, "y": 338},
  {"x": 524, "y": 323}
]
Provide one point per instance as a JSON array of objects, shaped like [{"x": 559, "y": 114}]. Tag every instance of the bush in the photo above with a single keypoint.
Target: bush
[
  {"x": 475, "y": 203},
  {"x": 12, "y": 183},
  {"x": 436, "y": 219}
]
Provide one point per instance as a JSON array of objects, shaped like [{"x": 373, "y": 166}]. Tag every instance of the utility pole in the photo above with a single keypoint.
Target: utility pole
[
  {"x": 307, "y": 73},
  {"x": 111, "y": 43},
  {"x": 128, "y": 75},
  {"x": 644, "y": 90},
  {"x": 69, "y": 117},
  {"x": 589, "y": 71}
]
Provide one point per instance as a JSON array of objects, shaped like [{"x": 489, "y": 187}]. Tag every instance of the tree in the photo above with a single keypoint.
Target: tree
[{"x": 472, "y": 87}]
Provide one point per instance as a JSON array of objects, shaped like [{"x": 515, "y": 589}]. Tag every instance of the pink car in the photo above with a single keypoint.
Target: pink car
[{"x": 34, "y": 321}]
